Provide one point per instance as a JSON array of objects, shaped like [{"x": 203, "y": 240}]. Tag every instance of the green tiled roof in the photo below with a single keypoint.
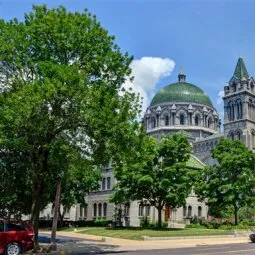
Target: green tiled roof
[
  {"x": 181, "y": 92},
  {"x": 240, "y": 70},
  {"x": 194, "y": 162}
]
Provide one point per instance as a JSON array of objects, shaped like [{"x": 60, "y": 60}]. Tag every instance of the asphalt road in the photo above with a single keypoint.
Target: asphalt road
[
  {"x": 77, "y": 246},
  {"x": 235, "y": 249}
]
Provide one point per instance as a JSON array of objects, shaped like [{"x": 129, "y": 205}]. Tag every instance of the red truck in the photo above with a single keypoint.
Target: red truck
[{"x": 15, "y": 237}]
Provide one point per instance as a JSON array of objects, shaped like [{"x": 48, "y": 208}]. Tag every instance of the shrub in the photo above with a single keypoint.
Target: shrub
[
  {"x": 144, "y": 222},
  {"x": 195, "y": 226},
  {"x": 102, "y": 223}
]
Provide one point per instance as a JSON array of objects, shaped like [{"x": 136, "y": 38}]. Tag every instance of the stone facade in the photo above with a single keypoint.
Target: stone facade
[
  {"x": 239, "y": 106},
  {"x": 181, "y": 107}
]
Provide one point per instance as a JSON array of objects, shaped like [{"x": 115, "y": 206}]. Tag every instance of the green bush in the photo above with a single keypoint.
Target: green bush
[
  {"x": 164, "y": 224},
  {"x": 102, "y": 223},
  {"x": 226, "y": 227},
  {"x": 144, "y": 222},
  {"x": 195, "y": 226}
]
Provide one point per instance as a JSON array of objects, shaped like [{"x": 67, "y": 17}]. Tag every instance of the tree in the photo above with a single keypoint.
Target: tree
[
  {"x": 156, "y": 172},
  {"x": 15, "y": 192},
  {"x": 61, "y": 75},
  {"x": 231, "y": 183}
]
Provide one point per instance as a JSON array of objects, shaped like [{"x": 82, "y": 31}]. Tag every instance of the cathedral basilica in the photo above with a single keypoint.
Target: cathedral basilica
[{"x": 182, "y": 107}]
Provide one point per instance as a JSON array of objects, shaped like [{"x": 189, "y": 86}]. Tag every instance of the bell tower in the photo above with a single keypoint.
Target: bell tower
[{"x": 239, "y": 106}]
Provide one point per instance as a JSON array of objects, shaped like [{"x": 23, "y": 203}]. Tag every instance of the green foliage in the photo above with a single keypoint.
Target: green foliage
[
  {"x": 156, "y": 172},
  {"x": 229, "y": 185},
  {"x": 61, "y": 109},
  {"x": 144, "y": 222},
  {"x": 197, "y": 225},
  {"x": 247, "y": 213},
  {"x": 102, "y": 223}
]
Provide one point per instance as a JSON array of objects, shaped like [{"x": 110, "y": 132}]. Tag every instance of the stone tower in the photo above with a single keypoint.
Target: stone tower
[{"x": 239, "y": 106}]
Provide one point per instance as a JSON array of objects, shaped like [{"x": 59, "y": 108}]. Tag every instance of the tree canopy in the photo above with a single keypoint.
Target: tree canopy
[
  {"x": 156, "y": 173},
  {"x": 230, "y": 184},
  {"x": 61, "y": 76}
]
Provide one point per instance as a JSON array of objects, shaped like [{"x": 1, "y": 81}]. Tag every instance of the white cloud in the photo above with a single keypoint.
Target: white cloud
[
  {"x": 220, "y": 95},
  {"x": 147, "y": 72}
]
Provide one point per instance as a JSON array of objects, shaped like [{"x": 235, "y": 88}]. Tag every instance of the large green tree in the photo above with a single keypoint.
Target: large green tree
[
  {"x": 61, "y": 75},
  {"x": 230, "y": 184},
  {"x": 156, "y": 172}
]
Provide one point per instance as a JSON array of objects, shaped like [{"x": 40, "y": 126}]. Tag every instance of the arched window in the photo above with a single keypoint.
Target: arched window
[
  {"x": 250, "y": 108},
  {"x": 189, "y": 211},
  {"x": 140, "y": 212},
  {"x": 199, "y": 211},
  {"x": 231, "y": 136},
  {"x": 234, "y": 87},
  {"x": 240, "y": 110},
  {"x": 153, "y": 122},
  {"x": 229, "y": 112},
  {"x": 210, "y": 123},
  {"x": 167, "y": 120},
  {"x": 126, "y": 209},
  {"x": 184, "y": 211},
  {"x": 147, "y": 210},
  {"x": 95, "y": 210},
  {"x": 100, "y": 210},
  {"x": 105, "y": 210},
  {"x": 233, "y": 112},
  {"x": 182, "y": 119},
  {"x": 196, "y": 120},
  {"x": 238, "y": 135}
]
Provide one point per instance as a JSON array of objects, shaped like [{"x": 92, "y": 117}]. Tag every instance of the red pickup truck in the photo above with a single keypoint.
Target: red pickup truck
[{"x": 15, "y": 237}]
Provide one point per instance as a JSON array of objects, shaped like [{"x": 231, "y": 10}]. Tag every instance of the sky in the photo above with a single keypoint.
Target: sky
[{"x": 206, "y": 37}]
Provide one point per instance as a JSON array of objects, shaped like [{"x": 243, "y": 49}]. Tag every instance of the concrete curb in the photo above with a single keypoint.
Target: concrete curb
[{"x": 148, "y": 238}]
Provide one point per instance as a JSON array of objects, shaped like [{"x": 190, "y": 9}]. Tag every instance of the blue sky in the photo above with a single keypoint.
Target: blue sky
[{"x": 205, "y": 36}]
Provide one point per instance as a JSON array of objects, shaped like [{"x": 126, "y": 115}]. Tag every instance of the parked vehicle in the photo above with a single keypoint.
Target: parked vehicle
[
  {"x": 15, "y": 237},
  {"x": 252, "y": 237}
]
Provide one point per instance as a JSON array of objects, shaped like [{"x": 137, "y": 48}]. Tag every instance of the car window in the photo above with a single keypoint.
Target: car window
[
  {"x": 1, "y": 226},
  {"x": 15, "y": 226}
]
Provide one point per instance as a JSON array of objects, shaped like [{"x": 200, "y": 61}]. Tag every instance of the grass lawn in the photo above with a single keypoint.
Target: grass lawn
[{"x": 136, "y": 233}]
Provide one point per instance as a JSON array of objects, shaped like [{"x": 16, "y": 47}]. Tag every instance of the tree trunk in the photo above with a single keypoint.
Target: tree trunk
[
  {"x": 35, "y": 213},
  {"x": 159, "y": 216},
  {"x": 53, "y": 245},
  {"x": 40, "y": 162}
]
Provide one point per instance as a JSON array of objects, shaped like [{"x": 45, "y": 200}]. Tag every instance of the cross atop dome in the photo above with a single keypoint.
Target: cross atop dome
[{"x": 182, "y": 75}]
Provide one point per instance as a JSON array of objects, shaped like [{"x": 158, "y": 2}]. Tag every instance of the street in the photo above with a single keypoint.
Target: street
[
  {"x": 236, "y": 249},
  {"x": 81, "y": 246}
]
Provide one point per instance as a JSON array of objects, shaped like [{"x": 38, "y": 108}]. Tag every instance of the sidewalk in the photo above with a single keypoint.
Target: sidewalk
[{"x": 117, "y": 244}]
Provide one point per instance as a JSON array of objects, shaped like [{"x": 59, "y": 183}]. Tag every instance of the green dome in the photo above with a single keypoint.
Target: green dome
[{"x": 181, "y": 92}]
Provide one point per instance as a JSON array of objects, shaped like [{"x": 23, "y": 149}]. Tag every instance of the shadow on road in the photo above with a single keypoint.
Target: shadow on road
[{"x": 77, "y": 246}]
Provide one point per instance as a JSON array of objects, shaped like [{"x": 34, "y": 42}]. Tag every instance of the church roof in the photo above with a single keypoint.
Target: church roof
[
  {"x": 195, "y": 163},
  {"x": 240, "y": 70},
  {"x": 181, "y": 92},
  {"x": 211, "y": 137}
]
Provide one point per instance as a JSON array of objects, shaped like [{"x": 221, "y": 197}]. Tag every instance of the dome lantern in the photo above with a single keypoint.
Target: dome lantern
[{"x": 182, "y": 75}]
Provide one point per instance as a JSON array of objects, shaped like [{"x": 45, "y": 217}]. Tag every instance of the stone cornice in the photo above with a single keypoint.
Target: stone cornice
[{"x": 181, "y": 127}]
